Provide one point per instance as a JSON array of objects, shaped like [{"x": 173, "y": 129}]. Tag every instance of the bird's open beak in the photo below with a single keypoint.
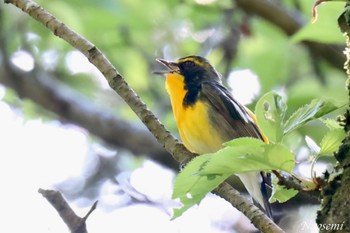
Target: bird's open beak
[{"x": 171, "y": 67}]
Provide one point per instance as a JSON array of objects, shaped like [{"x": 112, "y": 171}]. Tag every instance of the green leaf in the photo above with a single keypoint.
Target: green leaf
[
  {"x": 316, "y": 109},
  {"x": 280, "y": 193},
  {"x": 331, "y": 123},
  {"x": 331, "y": 141},
  {"x": 326, "y": 107},
  {"x": 323, "y": 30},
  {"x": 190, "y": 187},
  {"x": 270, "y": 111},
  {"x": 249, "y": 154},
  {"x": 244, "y": 141},
  {"x": 205, "y": 172}
]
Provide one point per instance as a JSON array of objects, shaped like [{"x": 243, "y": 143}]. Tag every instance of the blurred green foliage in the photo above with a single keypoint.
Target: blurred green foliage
[
  {"x": 328, "y": 14},
  {"x": 133, "y": 33}
]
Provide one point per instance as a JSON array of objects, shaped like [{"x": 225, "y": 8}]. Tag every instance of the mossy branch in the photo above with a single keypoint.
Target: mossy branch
[{"x": 335, "y": 195}]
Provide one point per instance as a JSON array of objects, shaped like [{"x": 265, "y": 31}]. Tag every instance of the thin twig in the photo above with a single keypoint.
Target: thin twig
[
  {"x": 75, "y": 223},
  {"x": 93, "y": 207},
  {"x": 291, "y": 182}
]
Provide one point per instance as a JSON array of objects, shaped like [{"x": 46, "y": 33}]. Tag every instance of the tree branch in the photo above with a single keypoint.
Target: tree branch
[
  {"x": 117, "y": 83},
  {"x": 56, "y": 97},
  {"x": 114, "y": 79},
  {"x": 75, "y": 223},
  {"x": 256, "y": 216},
  {"x": 291, "y": 182},
  {"x": 335, "y": 195},
  {"x": 290, "y": 23},
  {"x": 45, "y": 90}
]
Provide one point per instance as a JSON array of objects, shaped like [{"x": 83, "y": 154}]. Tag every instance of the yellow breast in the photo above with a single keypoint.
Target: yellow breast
[{"x": 193, "y": 123}]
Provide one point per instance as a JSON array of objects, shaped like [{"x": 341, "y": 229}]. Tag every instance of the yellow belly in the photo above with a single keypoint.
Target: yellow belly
[
  {"x": 193, "y": 123},
  {"x": 196, "y": 131}
]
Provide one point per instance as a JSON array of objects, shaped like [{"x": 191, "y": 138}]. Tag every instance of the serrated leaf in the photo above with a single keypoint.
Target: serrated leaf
[
  {"x": 205, "y": 172},
  {"x": 326, "y": 107},
  {"x": 331, "y": 141},
  {"x": 270, "y": 111},
  {"x": 315, "y": 109},
  {"x": 331, "y": 124},
  {"x": 280, "y": 193},
  {"x": 249, "y": 155},
  {"x": 190, "y": 187},
  {"x": 279, "y": 156}
]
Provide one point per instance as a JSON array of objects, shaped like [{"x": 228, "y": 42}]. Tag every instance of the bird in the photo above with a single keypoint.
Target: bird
[{"x": 207, "y": 115}]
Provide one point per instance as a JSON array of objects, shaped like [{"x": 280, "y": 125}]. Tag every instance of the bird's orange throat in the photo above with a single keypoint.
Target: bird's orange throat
[{"x": 175, "y": 87}]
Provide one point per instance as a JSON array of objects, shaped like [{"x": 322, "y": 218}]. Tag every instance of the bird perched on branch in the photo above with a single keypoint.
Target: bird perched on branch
[{"x": 207, "y": 115}]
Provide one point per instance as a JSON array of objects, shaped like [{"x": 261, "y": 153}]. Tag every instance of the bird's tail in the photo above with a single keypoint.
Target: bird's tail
[{"x": 255, "y": 184}]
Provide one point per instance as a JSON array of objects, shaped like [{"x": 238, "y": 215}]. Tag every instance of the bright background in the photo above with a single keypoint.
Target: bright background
[{"x": 40, "y": 149}]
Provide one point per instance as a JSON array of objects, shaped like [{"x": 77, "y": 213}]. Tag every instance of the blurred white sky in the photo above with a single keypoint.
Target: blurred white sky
[
  {"x": 34, "y": 155},
  {"x": 245, "y": 85}
]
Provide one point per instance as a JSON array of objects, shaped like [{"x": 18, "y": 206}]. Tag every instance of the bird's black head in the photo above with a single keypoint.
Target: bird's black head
[{"x": 195, "y": 70}]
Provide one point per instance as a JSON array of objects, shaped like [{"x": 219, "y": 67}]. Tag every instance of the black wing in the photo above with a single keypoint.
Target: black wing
[
  {"x": 228, "y": 115},
  {"x": 233, "y": 121}
]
